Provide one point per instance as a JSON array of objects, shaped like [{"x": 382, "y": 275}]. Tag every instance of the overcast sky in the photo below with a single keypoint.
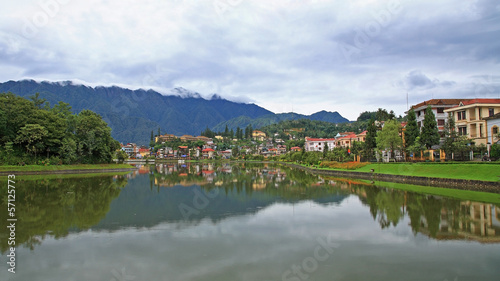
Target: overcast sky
[{"x": 305, "y": 56}]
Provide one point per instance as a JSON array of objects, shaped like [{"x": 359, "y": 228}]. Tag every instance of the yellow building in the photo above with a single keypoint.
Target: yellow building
[
  {"x": 469, "y": 118},
  {"x": 258, "y": 135}
]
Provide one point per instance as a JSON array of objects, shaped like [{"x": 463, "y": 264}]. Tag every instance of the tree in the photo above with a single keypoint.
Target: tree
[
  {"x": 370, "y": 141},
  {"x": 325, "y": 150},
  {"x": 412, "y": 131},
  {"x": 430, "y": 134},
  {"x": 37, "y": 101},
  {"x": 31, "y": 135},
  {"x": 389, "y": 137},
  {"x": 367, "y": 115},
  {"x": 450, "y": 137},
  {"x": 95, "y": 143}
]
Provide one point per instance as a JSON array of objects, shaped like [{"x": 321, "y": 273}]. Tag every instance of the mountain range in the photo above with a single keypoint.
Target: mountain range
[{"x": 133, "y": 114}]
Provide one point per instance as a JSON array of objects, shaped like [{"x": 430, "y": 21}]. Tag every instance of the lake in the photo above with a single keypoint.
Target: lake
[{"x": 243, "y": 222}]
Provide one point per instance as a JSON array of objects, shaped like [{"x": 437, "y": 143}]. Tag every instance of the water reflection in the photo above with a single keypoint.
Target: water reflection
[
  {"x": 189, "y": 194},
  {"x": 58, "y": 206}
]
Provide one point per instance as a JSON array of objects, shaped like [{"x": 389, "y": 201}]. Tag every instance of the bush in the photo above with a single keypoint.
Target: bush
[
  {"x": 54, "y": 160},
  {"x": 345, "y": 165}
]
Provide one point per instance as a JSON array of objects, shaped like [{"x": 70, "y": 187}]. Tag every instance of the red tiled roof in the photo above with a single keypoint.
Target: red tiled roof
[
  {"x": 295, "y": 147},
  {"x": 352, "y": 136},
  {"x": 143, "y": 150},
  {"x": 314, "y": 139},
  {"x": 183, "y": 147},
  {"x": 439, "y": 102},
  {"x": 207, "y": 150},
  {"x": 474, "y": 101}
]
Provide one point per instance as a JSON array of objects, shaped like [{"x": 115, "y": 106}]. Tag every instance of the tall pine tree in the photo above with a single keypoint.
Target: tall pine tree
[
  {"x": 430, "y": 134},
  {"x": 412, "y": 131},
  {"x": 371, "y": 141}
]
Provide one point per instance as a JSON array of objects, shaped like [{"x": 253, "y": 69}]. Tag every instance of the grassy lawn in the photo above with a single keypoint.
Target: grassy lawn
[
  {"x": 36, "y": 168},
  {"x": 61, "y": 176},
  {"x": 466, "y": 171}
]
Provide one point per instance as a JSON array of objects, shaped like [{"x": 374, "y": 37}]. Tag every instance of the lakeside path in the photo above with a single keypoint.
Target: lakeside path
[
  {"x": 446, "y": 175},
  {"x": 65, "y": 169}
]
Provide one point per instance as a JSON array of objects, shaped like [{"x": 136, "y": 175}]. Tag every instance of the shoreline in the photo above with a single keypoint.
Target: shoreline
[
  {"x": 459, "y": 184},
  {"x": 66, "y": 169}
]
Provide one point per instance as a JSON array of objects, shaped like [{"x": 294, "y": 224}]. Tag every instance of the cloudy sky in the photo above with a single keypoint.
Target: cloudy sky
[{"x": 305, "y": 56}]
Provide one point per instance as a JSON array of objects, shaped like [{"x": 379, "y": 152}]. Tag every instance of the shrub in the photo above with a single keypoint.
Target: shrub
[{"x": 345, "y": 165}]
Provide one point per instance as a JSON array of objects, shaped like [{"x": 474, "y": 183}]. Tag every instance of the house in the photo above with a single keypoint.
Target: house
[
  {"x": 131, "y": 149},
  {"x": 361, "y": 136},
  {"x": 470, "y": 117},
  {"x": 492, "y": 125},
  {"x": 317, "y": 144},
  {"x": 164, "y": 138},
  {"x": 258, "y": 135},
  {"x": 438, "y": 108},
  {"x": 295, "y": 149},
  {"x": 226, "y": 154},
  {"x": 346, "y": 141},
  {"x": 207, "y": 153},
  {"x": 144, "y": 152}
]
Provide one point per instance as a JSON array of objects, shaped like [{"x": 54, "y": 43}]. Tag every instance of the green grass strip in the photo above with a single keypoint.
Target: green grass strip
[{"x": 37, "y": 168}]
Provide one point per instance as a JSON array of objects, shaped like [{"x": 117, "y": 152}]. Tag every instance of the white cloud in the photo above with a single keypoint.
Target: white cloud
[{"x": 275, "y": 53}]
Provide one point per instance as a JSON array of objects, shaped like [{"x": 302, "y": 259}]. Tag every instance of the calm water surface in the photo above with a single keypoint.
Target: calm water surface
[{"x": 244, "y": 222}]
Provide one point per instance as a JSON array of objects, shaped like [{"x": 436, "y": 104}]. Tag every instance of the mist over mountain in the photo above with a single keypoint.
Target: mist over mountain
[{"x": 133, "y": 114}]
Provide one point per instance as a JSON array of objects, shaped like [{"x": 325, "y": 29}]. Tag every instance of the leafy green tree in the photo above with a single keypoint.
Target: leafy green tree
[
  {"x": 325, "y": 150},
  {"x": 430, "y": 134},
  {"x": 389, "y": 137},
  {"x": 366, "y": 115},
  {"x": 416, "y": 148},
  {"x": 37, "y": 101},
  {"x": 371, "y": 138},
  {"x": 31, "y": 135},
  {"x": 412, "y": 131},
  {"x": 68, "y": 150},
  {"x": 450, "y": 137},
  {"x": 95, "y": 143}
]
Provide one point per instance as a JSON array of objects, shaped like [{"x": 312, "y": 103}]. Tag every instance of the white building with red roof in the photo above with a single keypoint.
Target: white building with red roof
[{"x": 318, "y": 144}]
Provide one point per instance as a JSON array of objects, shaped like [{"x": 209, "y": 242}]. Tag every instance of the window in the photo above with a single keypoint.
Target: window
[
  {"x": 418, "y": 113},
  {"x": 440, "y": 122},
  {"x": 494, "y": 130},
  {"x": 491, "y": 111},
  {"x": 462, "y": 131},
  {"x": 461, "y": 115},
  {"x": 440, "y": 110}
]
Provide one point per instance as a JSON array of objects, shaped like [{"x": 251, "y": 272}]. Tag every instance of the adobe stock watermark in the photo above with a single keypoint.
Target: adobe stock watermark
[
  {"x": 222, "y": 6},
  {"x": 363, "y": 36},
  {"x": 201, "y": 200},
  {"x": 310, "y": 264},
  {"x": 121, "y": 276},
  {"x": 49, "y": 9}
]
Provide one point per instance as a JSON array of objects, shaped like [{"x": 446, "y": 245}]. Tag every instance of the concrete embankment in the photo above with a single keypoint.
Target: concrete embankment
[{"x": 473, "y": 185}]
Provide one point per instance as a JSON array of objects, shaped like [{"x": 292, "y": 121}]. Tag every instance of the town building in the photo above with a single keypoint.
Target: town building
[
  {"x": 346, "y": 140},
  {"x": 258, "y": 135},
  {"x": 492, "y": 125},
  {"x": 469, "y": 116},
  {"x": 438, "y": 107},
  {"x": 164, "y": 138},
  {"x": 317, "y": 144}
]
